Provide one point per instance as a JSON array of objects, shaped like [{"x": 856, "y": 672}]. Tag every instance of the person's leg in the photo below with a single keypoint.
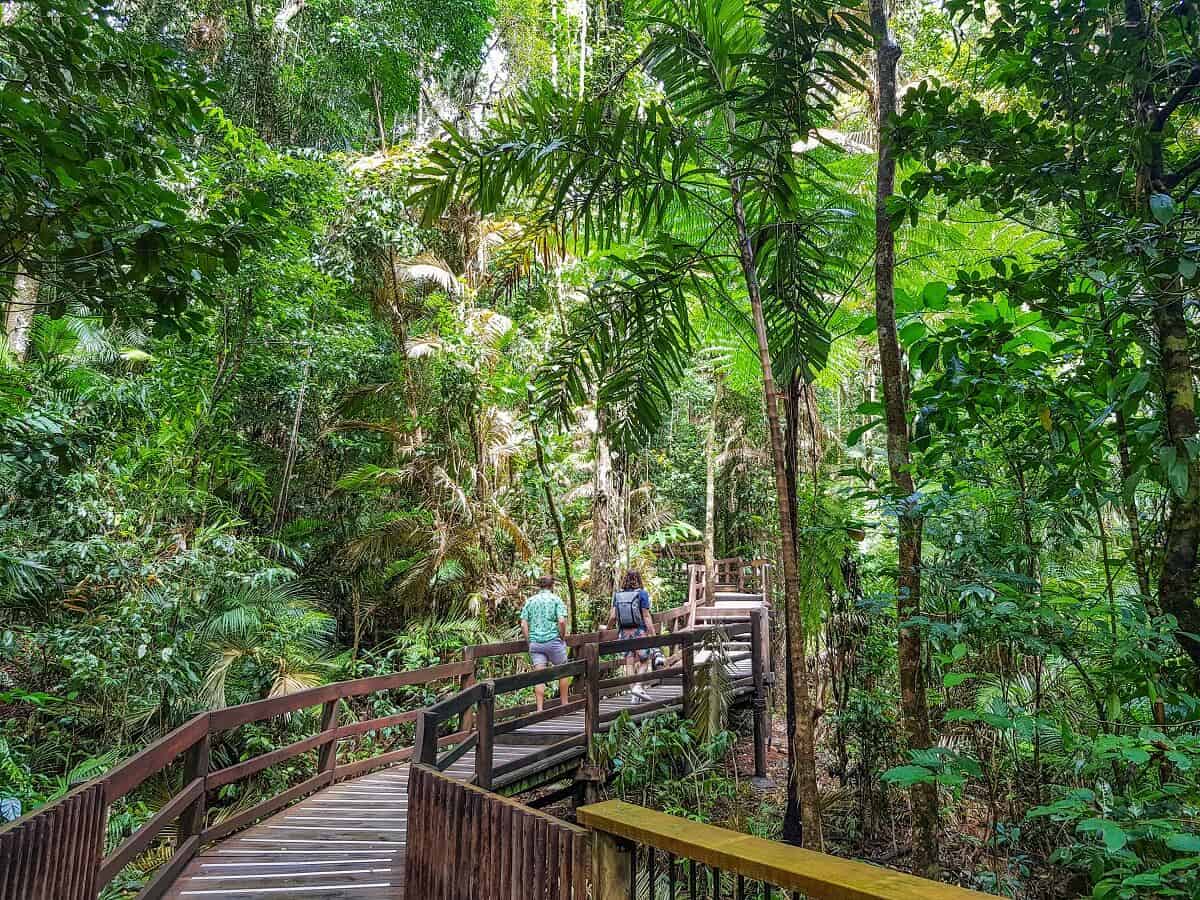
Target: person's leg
[
  {"x": 560, "y": 659},
  {"x": 539, "y": 690}
]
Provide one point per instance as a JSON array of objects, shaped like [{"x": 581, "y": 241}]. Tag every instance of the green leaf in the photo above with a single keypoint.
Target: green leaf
[
  {"x": 954, "y": 679},
  {"x": 912, "y": 332},
  {"x": 1138, "y": 383},
  {"x": 1184, "y": 843},
  {"x": 1175, "y": 468},
  {"x": 1113, "y": 834},
  {"x": 905, "y": 776},
  {"x": 1162, "y": 207},
  {"x": 1039, "y": 339},
  {"x": 856, "y": 435},
  {"x": 1136, "y": 755},
  {"x": 866, "y": 326},
  {"x": 935, "y": 295}
]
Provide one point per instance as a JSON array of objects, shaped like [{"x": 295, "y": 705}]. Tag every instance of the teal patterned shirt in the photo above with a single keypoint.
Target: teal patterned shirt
[{"x": 542, "y": 611}]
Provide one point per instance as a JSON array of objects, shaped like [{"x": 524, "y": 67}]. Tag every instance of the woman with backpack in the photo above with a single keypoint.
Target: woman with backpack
[{"x": 631, "y": 614}]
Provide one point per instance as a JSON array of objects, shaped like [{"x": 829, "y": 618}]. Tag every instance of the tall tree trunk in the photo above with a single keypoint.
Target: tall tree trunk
[
  {"x": 793, "y": 826},
  {"x": 1176, "y": 581},
  {"x": 1181, "y": 541},
  {"x": 914, "y": 704},
  {"x": 583, "y": 39},
  {"x": 555, "y": 518},
  {"x": 554, "y": 43},
  {"x": 600, "y": 575},
  {"x": 1137, "y": 549},
  {"x": 377, "y": 97},
  {"x": 18, "y": 318},
  {"x": 289, "y": 463},
  {"x": 710, "y": 503},
  {"x": 288, "y": 10},
  {"x": 802, "y": 737}
]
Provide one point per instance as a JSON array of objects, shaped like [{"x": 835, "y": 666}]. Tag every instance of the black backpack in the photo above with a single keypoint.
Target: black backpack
[{"x": 628, "y": 609}]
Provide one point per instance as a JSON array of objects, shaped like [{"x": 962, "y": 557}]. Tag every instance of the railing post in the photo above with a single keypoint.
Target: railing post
[
  {"x": 425, "y": 743},
  {"x": 484, "y": 743},
  {"x": 591, "y": 691},
  {"x": 611, "y": 867},
  {"x": 191, "y": 822},
  {"x": 466, "y": 682},
  {"x": 759, "y": 701},
  {"x": 688, "y": 658},
  {"x": 327, "y": 757}
]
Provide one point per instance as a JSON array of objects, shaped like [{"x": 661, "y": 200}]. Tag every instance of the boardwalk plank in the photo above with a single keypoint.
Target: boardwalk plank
[{"x": 348, "y": 841}]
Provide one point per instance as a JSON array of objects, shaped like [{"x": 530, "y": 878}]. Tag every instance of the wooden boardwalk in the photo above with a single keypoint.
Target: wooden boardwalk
[
  {"x": 347, "y": 842},
  {"x": 342, "y": 831}
]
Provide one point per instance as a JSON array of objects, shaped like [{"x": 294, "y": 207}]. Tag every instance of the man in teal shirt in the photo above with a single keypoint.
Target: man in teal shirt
[{"x": 544, "y": 624}]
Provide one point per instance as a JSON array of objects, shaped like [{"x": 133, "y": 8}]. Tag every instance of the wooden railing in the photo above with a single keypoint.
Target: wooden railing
[
  {"x": 641, "y": 853},
  {"x": 62, "y": 843},
  {"x": 733, "y": 575},
  {"x": 443, "y": 723},
  {"x": 57, "y": 851},
  {"x": 465, "y": 843}
]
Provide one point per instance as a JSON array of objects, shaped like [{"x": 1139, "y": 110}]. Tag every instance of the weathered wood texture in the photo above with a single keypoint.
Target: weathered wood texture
[
  {"x": 816, "y": 875},
  {"x": 54, "y": 854},
  {"x": 469, "y": 844}
]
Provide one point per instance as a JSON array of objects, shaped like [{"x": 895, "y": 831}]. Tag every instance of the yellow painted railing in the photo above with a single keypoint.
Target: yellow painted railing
[{"x": 640, "y": 853}]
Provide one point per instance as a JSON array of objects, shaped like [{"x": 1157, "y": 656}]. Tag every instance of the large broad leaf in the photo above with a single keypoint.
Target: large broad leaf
[{"x": 1114, "y": 835}]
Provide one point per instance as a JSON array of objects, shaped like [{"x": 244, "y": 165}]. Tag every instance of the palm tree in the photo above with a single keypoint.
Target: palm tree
[{"x": 719, "y": 210}]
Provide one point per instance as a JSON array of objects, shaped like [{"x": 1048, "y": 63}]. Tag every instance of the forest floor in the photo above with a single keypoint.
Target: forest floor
[
  {"x": 753, "y": 810},
  {"x": 963, "y": 853}
]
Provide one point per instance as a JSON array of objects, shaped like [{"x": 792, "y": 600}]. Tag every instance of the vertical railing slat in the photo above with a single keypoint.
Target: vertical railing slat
[{"x": 54, "y": 853}]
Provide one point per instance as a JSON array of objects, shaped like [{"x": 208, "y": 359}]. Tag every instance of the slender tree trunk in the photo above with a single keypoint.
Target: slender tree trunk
[
  {"x": 1182, "y": 544},
  {"x": 600, "y": 576},
  {"x": 1181, "y": 531},
  {"x": 377, "y": 97},
  {"x": 559, "y": 536},
  {"x": 18, "y": 319},
  {"x": 802, "y": 737},
  {"x": 289, "y": 464},
  {"x": 710, "y": 503},
  {"x": 583, "y": 39},
  {"x": 793, "y": 826},
  {"x": 1128, "y": 500},
  {"x": 554, "y": 43},
  {"x": 913, "y": 701}
]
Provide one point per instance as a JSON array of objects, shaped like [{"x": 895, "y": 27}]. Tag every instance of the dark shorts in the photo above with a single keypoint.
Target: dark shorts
[
  {"x": 628, "y": 634},
  {"x": 548, "y": 653}
]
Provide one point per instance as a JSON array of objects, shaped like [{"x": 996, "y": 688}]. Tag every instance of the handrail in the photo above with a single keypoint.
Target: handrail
[
  {"x": 60, "y": 833},
  {"x": 88, "y": 873},
  {"x": 709, "y": 851},
  {"x": 479, "y": 699}
]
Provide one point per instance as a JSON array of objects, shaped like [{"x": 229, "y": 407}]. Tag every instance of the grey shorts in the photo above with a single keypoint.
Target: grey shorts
[{"x": 548, "y": 653}]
